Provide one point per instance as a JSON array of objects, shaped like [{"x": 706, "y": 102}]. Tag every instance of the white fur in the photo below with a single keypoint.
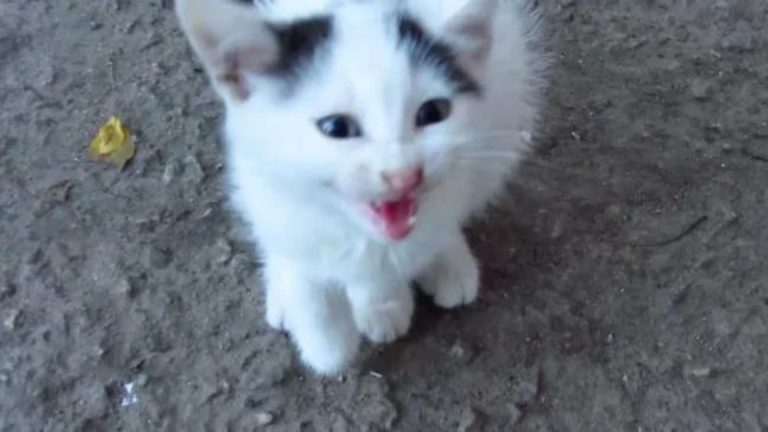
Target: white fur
[{"x": 330, "y": 275}]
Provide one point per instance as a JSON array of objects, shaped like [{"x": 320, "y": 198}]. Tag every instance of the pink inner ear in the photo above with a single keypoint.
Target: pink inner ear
[
  {"x": 241, "y": 56},
  {"x": 232, "y": 77},
  {"x": 234, "y": 80},
  {"x": 471, "y": 29}
]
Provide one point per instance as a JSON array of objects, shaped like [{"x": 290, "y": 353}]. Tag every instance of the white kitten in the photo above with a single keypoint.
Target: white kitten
[{"x": 361, "y": 135}]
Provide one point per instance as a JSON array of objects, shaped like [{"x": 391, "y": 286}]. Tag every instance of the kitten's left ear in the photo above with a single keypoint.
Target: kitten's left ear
[
  {"x": 469, "y": 28},
  {"x": 232, "y": 41}
]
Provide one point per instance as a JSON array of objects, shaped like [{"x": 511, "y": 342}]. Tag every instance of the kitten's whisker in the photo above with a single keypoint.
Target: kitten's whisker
[
  {"x": 469, "y": 164},
  {"x": 492, "y": 156},
  {"x": 473, "y": 140},
  {"x": 484, "y": 138}
]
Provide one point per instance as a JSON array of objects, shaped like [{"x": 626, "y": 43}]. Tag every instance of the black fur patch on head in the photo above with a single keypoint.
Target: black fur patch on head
[
  {"x": 299, "y": 44},
  {"x": 425, "y": 50}
]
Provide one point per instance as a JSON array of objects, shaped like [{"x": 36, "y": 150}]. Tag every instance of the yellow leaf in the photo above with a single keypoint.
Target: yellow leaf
[{"x": 113, "y": 143}]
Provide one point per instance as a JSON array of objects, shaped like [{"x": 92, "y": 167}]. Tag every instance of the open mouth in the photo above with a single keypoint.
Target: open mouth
[{"x": 395, "y": 218}]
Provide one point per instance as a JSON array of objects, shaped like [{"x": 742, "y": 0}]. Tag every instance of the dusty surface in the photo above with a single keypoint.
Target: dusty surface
[{"x": 626, "y": 274}]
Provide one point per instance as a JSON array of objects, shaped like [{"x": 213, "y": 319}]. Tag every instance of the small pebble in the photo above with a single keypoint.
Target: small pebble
[
  {"x": 340, "y": 424},
  {"x": 99, "y": 351},
  {"x": 263, "y": 419},
  {"x": 700, "y": 372},
  {"x": 514, "y": 414},
  {"x": 471, "y": 421},
  {"x": 222, "y": 251},
  {"x": 125, "y": 288},
  {"x": 525, "y": 387},
  {"x": 193, "y": 172},
  {"x": 11, "y": 320},
  {"x": 7, "y": 291},
  {"x": 740, "y": 39},
  {"x": 700, "y": 89},
  {"x": 158, "y": 257},
  {"x": 461, "y": 352},
  {"x": 171, "y": 172},
  {"x": 142, "y": 379}
]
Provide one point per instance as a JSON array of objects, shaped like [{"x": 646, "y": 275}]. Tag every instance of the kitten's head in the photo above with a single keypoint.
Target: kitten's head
[{"x": 355, "y": 103}]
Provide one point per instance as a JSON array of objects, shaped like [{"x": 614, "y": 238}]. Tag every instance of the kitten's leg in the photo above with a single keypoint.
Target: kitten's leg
[
  {"x": 382, "y": 308},
  {"x": 317, "y": 316},
  {"x": 454, "y": 278}
]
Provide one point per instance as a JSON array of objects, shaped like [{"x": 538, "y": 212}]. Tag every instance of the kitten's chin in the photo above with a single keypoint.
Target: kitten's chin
[{"x": 393, "y": 220}]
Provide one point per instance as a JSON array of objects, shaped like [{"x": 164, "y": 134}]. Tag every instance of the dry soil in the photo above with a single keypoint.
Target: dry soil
[{"x": 625, "y": 272}]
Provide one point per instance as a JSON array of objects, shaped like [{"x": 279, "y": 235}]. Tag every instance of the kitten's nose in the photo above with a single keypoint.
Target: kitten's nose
[{"x": 405, "y": 180}]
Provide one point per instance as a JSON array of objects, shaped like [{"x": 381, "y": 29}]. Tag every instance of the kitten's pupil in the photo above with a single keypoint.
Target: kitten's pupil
[
  {"x": 433, "y": 111},
  {"x": 339, "y": 126}
]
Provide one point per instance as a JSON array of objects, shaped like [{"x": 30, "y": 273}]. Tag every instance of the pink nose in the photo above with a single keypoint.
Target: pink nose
[{"x": 405, "y": 180}]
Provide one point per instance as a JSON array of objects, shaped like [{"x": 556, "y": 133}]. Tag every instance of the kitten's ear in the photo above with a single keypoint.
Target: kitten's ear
[
  {"x": 469, "y": 27},
  {"x": 232, "y": 41}
]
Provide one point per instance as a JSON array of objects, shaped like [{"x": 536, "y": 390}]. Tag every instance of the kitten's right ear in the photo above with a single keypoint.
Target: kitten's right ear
[{"x": 232, "y": 41}]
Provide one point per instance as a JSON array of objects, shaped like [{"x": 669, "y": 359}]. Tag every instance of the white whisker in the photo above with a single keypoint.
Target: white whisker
[{"x": 487, "y": 137}]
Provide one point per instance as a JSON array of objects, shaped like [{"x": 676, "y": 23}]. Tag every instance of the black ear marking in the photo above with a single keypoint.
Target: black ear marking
[
  {"x": 425, "y": 50},
  {"x": 299, "y": 42}
]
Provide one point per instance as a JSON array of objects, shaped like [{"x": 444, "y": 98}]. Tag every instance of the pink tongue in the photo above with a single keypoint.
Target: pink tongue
[{"x": 396, "y": 217}]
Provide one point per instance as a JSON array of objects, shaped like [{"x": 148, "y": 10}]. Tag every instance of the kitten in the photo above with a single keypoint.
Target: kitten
[{"x": 361, "y": 135}]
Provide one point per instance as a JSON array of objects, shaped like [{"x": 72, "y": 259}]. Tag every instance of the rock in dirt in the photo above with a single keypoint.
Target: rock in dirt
[
  {"x": 372, "y": 409},
  {"x": 262, "y": 419},
  {"x": 471, "y": 420},
  {"x": 700, "y": 89},
  {"x": 11, "y": 320},
  {"x": 125, "y": 288},
  {"x": 525, "y": 386},
  {"x": 242, "y": 266},
  {"x": 699, "y": 371},
  {"x": 340, "y": 424},
  {"x": 142, "y": 379},
  {"x": 158, "y": 257},
  {"x": 462, "y": 352},
  {"x": 188, "y": 171},
  {"x": 222, "y": 252},
  {"x": 741, "y": 39},
  {"x": 514, "y": 415},
  {"x": 193, "y": 172},
  {"x": 7, "y": 291},
  {"x": 381, "y": 412},
  {"x": 172, "y": 171}
]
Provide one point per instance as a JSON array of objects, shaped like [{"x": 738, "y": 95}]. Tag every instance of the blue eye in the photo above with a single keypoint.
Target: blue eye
[
  {"x": 433, "y": 111},
  {"x": 339, "y": 126}
]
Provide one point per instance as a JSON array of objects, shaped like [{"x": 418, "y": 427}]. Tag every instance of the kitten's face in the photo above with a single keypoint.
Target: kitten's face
[{"x": 358, "y": 109}]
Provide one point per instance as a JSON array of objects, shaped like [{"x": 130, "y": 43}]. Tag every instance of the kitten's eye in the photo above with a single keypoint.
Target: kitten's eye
[
  {"x": 433, "y": 111},
  {"x": 339, "y": 126}
]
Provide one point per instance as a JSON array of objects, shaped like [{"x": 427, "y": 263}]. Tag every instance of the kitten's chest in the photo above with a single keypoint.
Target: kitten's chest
[{"x": 341, "y": 254}]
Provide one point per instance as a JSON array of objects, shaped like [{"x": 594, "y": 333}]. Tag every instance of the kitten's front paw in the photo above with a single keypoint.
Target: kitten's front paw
[
  {"x": 454, "y": 279},
  {"x": 384, "y": 322},
  {"x": 324, "y": 331},
  {"x": 327, "y": 351}
]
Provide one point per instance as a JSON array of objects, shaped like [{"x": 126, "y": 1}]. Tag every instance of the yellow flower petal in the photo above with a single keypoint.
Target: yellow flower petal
[{"x": 113, "y": 143}]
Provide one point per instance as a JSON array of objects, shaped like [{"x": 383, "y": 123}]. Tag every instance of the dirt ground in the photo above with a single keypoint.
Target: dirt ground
[{"x": 625, "y": 274}]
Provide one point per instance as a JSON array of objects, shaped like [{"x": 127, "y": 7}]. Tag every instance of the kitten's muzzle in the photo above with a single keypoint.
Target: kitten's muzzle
[{"x": 404, "y": 181}]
